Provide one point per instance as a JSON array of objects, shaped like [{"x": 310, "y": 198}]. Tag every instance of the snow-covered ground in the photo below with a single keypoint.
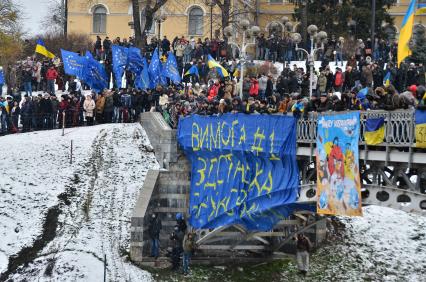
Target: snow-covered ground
[
  {"x": 96, "y": 196},
  {"x": 97, "y": 193}
]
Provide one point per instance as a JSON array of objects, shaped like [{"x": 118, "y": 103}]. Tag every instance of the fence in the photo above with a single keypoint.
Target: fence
[{"x": 399, "y": 127}]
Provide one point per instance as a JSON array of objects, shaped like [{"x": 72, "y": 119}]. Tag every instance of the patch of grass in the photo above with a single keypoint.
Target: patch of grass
[{"x": 268, "y": 271}]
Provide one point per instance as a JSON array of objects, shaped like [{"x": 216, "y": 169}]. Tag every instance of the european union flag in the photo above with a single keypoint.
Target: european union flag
[
  {"x": 120, "y": 56},
  {"x": 193, "y": 71},
  {"x": 73, "y": 63},
  {"x": 134, "y": 60},
  {"x": 142, "y": 80},
  {"x": 155, "y": 69},
  {"x": 171, "y": 69},
  {"x": 94, "y": 74}
]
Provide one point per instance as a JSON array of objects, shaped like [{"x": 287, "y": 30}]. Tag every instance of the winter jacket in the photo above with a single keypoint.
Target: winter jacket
[
  {"x": 254, "y": 88},
  {"x": 51, "y": 74},
  {"x": 100, "y": 104},
  {"x": 89, "y": 107},
  {"x": 188, "y": 244},
  {"x": 154, "y": 228}
]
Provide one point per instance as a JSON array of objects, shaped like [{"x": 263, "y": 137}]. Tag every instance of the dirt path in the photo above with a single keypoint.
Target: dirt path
[{"x": 95, "y": 218}]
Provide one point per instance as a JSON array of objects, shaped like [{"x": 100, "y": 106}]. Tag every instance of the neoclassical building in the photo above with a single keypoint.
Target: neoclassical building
[{"x": 185, "y": 17}]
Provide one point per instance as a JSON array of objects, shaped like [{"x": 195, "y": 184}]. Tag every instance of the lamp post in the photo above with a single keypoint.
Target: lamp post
[
  {"x": 159, "y": 19},
  {"x": 249, "y": 33},
  {"x": 211, "y": 4},
  {"x": 321, "y": 37}
]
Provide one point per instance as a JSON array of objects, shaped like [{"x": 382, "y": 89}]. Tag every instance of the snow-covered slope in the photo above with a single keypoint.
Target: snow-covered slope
[{"x": 96, "y": 196}]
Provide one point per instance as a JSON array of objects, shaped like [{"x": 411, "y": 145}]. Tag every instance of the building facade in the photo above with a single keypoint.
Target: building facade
[{"x": 189, "y": 18}]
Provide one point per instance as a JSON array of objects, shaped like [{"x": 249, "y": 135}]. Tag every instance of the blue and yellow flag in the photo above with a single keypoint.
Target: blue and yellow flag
[
  {"x": 405, "y": 32},
  {"x": 420, "y": 128},
  {"x": 387, "y": 79},
  {"x": 193, "y": 71},
  {"x": 421, "y": 8},
  {"x": 41, "y": 49},
  {"x": 237, "y": 71},
  {"x": 374, "y": 131},
  {"x": 170, "y": 70},
  {"x": 213, "y": 64}
]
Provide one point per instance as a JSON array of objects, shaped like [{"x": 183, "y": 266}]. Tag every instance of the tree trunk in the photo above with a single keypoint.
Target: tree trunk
[
  {"x": 225, "y": 13},
  {"x": 305, "y": 23},
  {"x": 137, "y": 23}
]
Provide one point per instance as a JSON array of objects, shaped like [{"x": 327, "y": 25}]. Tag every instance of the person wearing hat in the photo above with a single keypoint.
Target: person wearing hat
[{"x": 324, "y": 104}]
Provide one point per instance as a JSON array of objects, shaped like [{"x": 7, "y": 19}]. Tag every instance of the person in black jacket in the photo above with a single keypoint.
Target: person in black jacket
[
  {"x": 45, "y": 108},
  {"x": 269, "y": 87},
  {"x": 26, "y": 113},
  {"x": 154, "y": 229},
  {"x": 325, "y": 104}
]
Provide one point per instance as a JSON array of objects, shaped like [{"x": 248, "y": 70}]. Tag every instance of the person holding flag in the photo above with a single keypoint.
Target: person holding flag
[
  {"x": 41, "y": 49},
  {"x": 220, "y": 69},
  {"x": 171, "y": 70}
]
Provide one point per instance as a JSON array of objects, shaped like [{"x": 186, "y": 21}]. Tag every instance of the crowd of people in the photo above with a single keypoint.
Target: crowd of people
[{"x": 364, "y": 82}]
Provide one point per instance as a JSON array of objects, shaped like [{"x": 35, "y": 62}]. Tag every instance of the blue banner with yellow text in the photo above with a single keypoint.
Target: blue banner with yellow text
[
  {"x": 338, "y": 179},
  {"x": 244, "y": 169}
]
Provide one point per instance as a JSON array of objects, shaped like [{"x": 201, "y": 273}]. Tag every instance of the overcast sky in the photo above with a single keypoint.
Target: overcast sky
[{"x": 34, "y": 11}]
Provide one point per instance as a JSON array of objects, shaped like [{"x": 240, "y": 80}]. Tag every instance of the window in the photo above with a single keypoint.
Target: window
[
  {"x": 276, "y": 1},
  {"x": 99, "y": 19},
  {"x": 195, "y": 22}
]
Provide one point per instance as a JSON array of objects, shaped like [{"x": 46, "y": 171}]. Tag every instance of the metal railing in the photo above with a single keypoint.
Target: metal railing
[{"x": 399, "y": 127}]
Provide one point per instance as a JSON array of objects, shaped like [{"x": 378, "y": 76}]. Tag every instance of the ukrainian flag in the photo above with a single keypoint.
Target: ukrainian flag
[
  {"x": 405, "y": 32},
  {"x": 237, "y": 71},
  {"x": 193, "y": 71},
  {"x": 374, "y": 131},
  {"x": 420, "y": 128},
  {"x": 41, "y": 49},
  {"x": 386, "y": 80},
  {"x": 213, "y": 64},
  {"x": 421, "y": 9}
]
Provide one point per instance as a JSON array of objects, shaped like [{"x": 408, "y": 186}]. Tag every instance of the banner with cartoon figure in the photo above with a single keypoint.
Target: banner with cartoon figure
[{"x": 338, "y": 180}]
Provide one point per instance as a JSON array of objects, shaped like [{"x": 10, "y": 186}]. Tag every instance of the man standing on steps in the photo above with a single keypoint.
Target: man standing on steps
[
  {"x": 303, "y": 246},
  {"x": 154, "y": 229}
]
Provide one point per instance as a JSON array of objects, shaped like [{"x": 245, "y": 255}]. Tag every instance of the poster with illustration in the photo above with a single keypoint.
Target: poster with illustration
[{"x": 338, "y": 180}]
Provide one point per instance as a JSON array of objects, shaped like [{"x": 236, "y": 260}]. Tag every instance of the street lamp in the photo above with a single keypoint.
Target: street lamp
[
  {"x": 211, "y": 4},
  {"x": 159, "y": 19},
  {"x": 249, "y": 33},
  {"x": 320, "y": 37}
]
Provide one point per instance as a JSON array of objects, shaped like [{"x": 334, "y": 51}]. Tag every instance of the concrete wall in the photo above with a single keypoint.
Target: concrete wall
[{"x": 164, "y": 192}]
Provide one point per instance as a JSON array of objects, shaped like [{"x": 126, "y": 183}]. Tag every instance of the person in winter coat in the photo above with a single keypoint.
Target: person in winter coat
[
  {"x": 154, "y": 228},
  {"x": 254, "y": 87},
  {"x": 14, "y": 113},
  {"x": 324, "y": 104},
  {"x": 109, "y": 107},
  {"x": 100, "y": 106},
  {"x": 26, "y": 113},
  {"x": 51, "y": 76},
  {"x": 89, "y": 108},
  {"x": 269, "y": 87},
  {"x": 303, "y": 247},
  {"x": 46, "y": 111},
  {"x": 188, "y": 249}
]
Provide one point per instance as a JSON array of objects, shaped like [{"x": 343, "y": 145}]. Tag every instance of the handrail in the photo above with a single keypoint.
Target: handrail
[{"x": 399, "y": 127}]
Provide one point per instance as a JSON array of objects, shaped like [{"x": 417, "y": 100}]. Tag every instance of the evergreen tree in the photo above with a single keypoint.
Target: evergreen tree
[
  {"x": 418, "y": 48},
  {"x": 333, "y": 16}
]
